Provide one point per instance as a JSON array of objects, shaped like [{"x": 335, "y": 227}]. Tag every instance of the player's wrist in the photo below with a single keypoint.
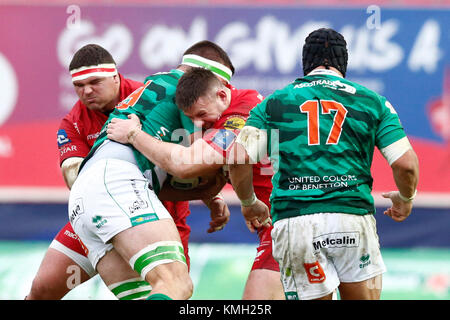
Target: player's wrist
[
  {"x": 407, "y": 199},
  {"x": 218, "y": 196},
  {"x": 250, "y": 201},
  {"x": 133, "y": 133}
]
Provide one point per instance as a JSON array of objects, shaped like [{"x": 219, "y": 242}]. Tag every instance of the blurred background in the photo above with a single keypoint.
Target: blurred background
[{"x": 398, "y": 48}]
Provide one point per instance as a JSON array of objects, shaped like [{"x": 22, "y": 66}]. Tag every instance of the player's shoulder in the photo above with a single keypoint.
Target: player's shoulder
[
  {"x": 80, "y": 114},
  {"x": 130, "y": 84},
  {"x": 170, "y": 77},
  {"x": 70, "y": 120},
  {"x": 361, "y": 89},
  {"x": 249, "y": 95},
  {"x": 337, "y": 83},
  {"x": 77, "y": 110},
  {"x": 162, "y": 85},
  {"x": 377, "y": 101}
]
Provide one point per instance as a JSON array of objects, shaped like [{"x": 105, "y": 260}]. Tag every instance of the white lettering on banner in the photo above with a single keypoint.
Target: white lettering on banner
[
  {"x": 425, "y": 53},
  {"x": 163, "y": 45},
  {"x": 270, "y": 43},
  {"x": 272, "y": 38},
  {"x": 117, "y": 39},
  {"x": 372, "y": 49},
  {"x": 9, "y": 91}
]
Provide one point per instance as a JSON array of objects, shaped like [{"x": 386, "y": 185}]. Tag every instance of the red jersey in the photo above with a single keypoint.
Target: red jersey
[
  {"x": 81, "y": 126},
  {"x": 228, "y": 127}
]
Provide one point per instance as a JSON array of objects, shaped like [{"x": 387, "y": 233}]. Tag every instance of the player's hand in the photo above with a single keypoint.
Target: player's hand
[
  {"x": 220, "y": 215},
  {"x": 256, "y": 215},
  {"x": 400, "y": 209},
  {"x": 119, "y": 129}
]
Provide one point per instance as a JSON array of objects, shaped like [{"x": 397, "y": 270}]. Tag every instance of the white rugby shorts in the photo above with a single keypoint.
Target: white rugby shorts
[
  {"x": 108, "y": 197},
  {"x": 317, "y": 252}
]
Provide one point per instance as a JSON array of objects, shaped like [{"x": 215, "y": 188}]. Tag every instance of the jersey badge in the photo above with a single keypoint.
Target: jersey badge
[
  {"x": 62, "y": 138},
  {"x": 223, "y": 139},
  {"x": 234, "y": 123}
]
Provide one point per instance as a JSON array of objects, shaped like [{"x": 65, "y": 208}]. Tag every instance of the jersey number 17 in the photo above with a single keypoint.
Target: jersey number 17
[{"x": 312, "y": 108}]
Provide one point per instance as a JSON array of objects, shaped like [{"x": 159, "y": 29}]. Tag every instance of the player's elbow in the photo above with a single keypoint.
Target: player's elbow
[
  {"x": 407, "y": 165},
  {"x": 69, "y": 170},
  {"x": 183, "y": 171}
]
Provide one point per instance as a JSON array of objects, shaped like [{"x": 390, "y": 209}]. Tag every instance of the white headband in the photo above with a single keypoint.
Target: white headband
[
  {"x": 214, "y": 66},
  {"x": 101, "y": 70}
]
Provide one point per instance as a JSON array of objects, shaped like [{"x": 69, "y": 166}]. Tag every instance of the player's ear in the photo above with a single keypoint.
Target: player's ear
[
  {"x": 221, "y": 94},
  {"x": 116, "y": 79}
]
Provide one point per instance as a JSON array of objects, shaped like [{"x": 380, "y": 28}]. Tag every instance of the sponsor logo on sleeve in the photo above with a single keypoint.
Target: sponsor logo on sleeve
[
  {"x": 223, "y": 139},
  {"x": 234, "y": 123},
  {"x": 62, "y": 138},
  {"x": 67, "y": 149}
]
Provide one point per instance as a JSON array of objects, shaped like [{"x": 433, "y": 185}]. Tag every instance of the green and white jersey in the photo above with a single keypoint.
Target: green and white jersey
[
  {"x": 322, "y": 130},
  {"x": 154, "y": 104}
]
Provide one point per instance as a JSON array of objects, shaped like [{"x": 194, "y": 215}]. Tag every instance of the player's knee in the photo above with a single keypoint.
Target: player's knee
[
  {"x": 188, "y": 289},
  {"x": 175, "y": 279},
  {"x": 185, "y": 285}
]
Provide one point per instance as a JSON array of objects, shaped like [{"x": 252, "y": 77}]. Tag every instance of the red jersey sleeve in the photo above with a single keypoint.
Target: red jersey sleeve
[
  {"x": 220, "y": 139},
  {"x": 70, "y": 141}
]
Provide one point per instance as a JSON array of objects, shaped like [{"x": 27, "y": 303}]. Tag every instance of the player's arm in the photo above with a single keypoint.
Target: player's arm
[
  {"x": 394, "y": 145},
  {"x": 69, "y": 170},
  {"x": 249, "y": 145},
  {"x": 219, "y": 213},
  {"x": 72, "y": 150},
  {"x": 200, "y": 188},
  {"x": 207, "y": 189},
  {"x": 255, "y": 212},
  {"x": 183, "y": 162},
  {"x": 405, "y": 169}
]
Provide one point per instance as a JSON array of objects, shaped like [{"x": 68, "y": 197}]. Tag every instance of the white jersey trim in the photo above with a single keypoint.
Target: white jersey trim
[{"x": 395, "y": 150}]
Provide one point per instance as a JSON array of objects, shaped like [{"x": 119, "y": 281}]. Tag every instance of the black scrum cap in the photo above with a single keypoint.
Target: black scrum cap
[{"x": 325, "y": 47}]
